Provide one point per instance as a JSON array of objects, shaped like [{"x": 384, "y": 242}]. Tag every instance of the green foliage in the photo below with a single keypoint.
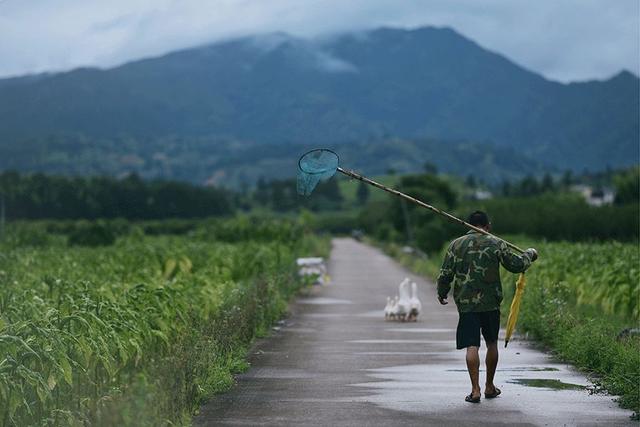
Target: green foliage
[
  {"x": 605, "y": 276},
  {"x": 139, "y": 332},
  {"x": 559, "y": 217},
  {"x": 362, "y": 193},
  {"x": 552, "y": 215},
  {"x": 40, "y": 196},
  {"x": 93, "y": 234},
  {"x": 628, "y": 186},
  {"x": 36, "y": 235},
  {"x": 281, "y": 196},
  {"x": 578, "y": 299},
  {"x": 335, "y": 222},
  {"x": 349, "y": 189},
  {"x": 399, "y": 220}
]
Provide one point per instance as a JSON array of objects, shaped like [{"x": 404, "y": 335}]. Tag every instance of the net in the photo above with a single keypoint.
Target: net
[{"x": 313, "y": 167}]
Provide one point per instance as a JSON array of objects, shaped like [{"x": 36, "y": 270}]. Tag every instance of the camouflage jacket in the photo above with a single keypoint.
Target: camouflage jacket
[{"x": 472, "y": 263}]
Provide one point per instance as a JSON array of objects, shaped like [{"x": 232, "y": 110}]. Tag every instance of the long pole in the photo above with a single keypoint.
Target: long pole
[{"x": 450, "y": 217}]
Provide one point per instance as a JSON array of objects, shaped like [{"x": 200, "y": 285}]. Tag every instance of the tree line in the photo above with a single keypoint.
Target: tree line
[
  {"x": 554, "y": 213},
  {"x": 40, "y": 196}
]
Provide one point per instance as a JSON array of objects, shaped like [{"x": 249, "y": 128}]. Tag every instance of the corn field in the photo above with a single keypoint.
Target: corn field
[
  {"x": 579, "y": 300},
  {"x": 141, "y": 331},
  {"x": 605, "y": 276}
]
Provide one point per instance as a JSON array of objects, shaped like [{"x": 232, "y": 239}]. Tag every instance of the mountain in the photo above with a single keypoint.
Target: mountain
[
  {"x": 428, "y": 83},
  {"x": 231, "y": 163}
]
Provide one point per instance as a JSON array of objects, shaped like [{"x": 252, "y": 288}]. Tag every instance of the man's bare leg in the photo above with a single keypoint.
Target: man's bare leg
[
  {"x": 473, "y": 366},
  {"x": 492, "y": 363}
]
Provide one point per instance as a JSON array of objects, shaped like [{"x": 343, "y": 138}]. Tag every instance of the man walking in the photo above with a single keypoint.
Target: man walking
[{"x": 472, "y": 263}]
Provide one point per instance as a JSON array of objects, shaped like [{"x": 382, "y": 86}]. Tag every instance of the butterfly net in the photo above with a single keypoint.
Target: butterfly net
[{"x": 313, "y": 167}]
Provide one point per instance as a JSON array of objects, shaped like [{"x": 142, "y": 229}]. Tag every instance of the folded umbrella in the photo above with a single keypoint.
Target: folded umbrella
[{"x": 515, "y": 308}]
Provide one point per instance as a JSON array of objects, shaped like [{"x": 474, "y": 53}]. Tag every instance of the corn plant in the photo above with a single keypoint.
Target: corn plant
[{"x": 150, "y": 325}]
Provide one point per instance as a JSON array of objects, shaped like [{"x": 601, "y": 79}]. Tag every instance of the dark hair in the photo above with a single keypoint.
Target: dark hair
[{"x": 479, "y": 219}]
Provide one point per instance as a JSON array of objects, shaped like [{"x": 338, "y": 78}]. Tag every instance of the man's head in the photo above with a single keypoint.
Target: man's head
[{"x": 479, "y": 219}]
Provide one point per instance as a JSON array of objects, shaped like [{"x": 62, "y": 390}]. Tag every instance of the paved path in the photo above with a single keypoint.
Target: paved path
[{"x": 335, "y": 362}]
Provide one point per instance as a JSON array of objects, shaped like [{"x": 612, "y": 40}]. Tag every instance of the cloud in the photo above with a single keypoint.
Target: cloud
[
  {"x": 306, "y": 53},
  {"x": 567, "y": 40},
  {"x": 332, "y": 64}
]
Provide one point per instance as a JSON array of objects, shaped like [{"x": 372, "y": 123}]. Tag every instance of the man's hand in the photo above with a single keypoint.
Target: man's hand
[
  {"x": 533, "y": 253},
  {"x": 443, "y": 301}
]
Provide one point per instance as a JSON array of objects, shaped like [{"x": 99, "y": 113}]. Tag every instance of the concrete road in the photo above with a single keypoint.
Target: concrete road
[{"x": 336, "y": 362}]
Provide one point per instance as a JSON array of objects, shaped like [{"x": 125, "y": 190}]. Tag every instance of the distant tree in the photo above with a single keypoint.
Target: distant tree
[
  {"x": 506, "y": 188},
  {"x": 331, "y": 190},
  {"x": 40, "y": 196},
  {"x": 262, "y": 194},
  {"x": 627, "y": 186},
  {"x": 567, "y": 178},
  {"x": 528, "y": 186},
  {"x": 430, "y": 168},
  {"x": 429, "y": 231},
  {"x": 608, "y": 173},
  {"x": 362, "y": 193},
  {"x": 547, "y": 183},
  {"x": 470, "y": 181},
  {"x": 278, "y": 197}
]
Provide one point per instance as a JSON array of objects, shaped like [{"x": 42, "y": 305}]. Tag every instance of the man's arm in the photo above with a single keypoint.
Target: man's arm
[
  {"x": 513, "y": 262},
  {"x": 446, "y": 276}
]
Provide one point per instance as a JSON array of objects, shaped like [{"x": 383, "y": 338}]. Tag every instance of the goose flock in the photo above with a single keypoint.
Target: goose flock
[{"x": 404, "y": 306}]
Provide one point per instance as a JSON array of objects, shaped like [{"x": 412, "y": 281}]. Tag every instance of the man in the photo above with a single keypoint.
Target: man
[{"x": 472, "y": 263}]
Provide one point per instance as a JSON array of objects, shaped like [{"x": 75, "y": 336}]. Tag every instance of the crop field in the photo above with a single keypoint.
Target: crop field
[
  {"x": 602, "y": 277},
  {"x": 140, "y": 331},
  {"x": 579, "y": 299}
]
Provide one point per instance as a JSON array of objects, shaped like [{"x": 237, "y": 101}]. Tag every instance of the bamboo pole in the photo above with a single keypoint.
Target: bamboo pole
[{"x": 450, "y": 217}]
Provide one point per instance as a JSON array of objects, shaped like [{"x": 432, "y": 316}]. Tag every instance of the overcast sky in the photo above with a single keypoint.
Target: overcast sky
[{"x": 564, "y": 40}]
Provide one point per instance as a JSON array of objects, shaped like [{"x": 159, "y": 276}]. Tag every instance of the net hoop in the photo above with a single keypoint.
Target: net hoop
[{"x": 312, "y": 151}]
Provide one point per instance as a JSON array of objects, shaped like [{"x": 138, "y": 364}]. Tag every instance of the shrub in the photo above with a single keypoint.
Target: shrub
[{"x": 93, "y": 234}]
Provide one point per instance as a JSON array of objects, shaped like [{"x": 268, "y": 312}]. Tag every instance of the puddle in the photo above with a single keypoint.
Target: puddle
[
  {"x": 420, "y": 330},
  {"x": 323, "y": 301},
  {"x": 400, "y": 342},
  {"x": 546, "y": 383},
  {"x": 403, "y": 353},
  {"x": 532, "y": 369},
  {"x": 513, "y": 370},
  {"x": 432, "y": 389}
]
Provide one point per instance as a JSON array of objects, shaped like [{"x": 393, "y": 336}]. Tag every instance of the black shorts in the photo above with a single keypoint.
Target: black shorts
[{"x": 470, "y": 325}]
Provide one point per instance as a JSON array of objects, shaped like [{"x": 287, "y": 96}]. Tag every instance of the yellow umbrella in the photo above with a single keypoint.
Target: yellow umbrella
[{"x": 515, "y": 308}]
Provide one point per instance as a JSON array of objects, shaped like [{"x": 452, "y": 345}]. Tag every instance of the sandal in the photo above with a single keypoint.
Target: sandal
[
  {"x": 472, "y": 399},
  {"x": 495, "y": 393}
]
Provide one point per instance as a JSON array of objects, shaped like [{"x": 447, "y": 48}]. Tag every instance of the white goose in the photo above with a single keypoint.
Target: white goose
[
  {"x": 393, "y": 310},
  {"x": 404, "y": 302},
  {"x": 415, "y": 306},
  {"x": 387, "y": 309}
]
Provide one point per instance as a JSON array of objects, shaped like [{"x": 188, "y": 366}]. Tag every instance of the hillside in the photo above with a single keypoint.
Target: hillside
[{"x": 412, "y": 84}]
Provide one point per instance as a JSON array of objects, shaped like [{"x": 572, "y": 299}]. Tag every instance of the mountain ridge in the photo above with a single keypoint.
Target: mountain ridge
[{"x": 422, "y": 83}]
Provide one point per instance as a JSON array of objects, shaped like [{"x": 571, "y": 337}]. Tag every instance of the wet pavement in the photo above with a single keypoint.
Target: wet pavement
[{"x": 336, "y": 362}]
